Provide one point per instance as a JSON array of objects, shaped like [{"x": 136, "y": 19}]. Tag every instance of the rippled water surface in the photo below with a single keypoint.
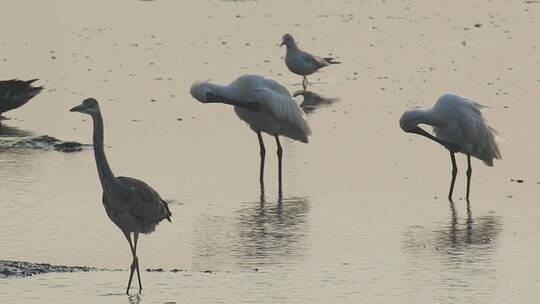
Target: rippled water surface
[{"x": 363, "y": 217}]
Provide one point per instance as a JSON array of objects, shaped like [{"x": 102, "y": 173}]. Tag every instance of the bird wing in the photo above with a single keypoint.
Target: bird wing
[
  {"x": 284, "y": 108},
  {"x": 143, "y": 202},
  {"x": 15, "y": 93},
  {"x": 478, "y": 133},
  {"x": 314, "y": 60}
]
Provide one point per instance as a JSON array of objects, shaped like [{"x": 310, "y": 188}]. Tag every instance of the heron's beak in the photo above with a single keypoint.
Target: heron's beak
[
  {"x": 282, "y": 43},
  {"x": 78, "y": 108}
]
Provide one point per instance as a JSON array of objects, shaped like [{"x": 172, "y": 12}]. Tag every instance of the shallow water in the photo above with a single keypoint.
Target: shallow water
[{"x": 363, "y": 217}]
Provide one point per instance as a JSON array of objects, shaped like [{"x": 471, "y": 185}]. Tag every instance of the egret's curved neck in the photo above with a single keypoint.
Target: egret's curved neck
[
  {"x": 106, "y": 176},
  {"x": 419, "y": 116},
  {"x": 228, "y": 92}
]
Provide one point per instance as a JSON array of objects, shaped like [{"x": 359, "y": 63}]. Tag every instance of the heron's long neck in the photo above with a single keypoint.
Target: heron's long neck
[{"x": 104, "y": 171}]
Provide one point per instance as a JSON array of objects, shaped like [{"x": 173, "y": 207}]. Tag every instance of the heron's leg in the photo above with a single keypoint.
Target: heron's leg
[
  {"x": 454, "y": 173},
  {"x": 135, "y": 239},
  {"x": 279, "y": 154},
  {"x": 133, "y": 264},
  {"x": 469, "y": 174},
  {"x": 304, "y": 83},
  {"x": 263, "y": 154}
]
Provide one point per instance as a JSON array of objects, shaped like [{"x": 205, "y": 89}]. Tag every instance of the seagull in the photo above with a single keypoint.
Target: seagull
[
  {"x": 265, "y": 105},
  {"x": 459, "y": 126},
  {"x": 303, "y": 63}
]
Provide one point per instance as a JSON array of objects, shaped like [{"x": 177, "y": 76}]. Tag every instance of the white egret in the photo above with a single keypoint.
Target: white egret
[
  {"x": 459, "y": 126},
  {"x": 265, "y": 105}
]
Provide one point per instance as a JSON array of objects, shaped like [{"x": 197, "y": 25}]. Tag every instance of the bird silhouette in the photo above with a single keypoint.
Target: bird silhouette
[
  {"x": 15, "y": 93},
  {"x": 130, "y": 203},
  {"x": 301, "y": 62},
  {"x": 265, "y": 105},
  {"x": 459, "y": 126}
]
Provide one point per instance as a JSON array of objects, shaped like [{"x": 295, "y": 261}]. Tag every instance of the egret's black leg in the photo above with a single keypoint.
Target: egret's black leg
[
  {"x": 135, "y": 239},
  {"x": 279, "y": 154},
  {"x": 263, "y": 154},
  {"x": 133, "y": 264},
  {"x": 454, "y": 173},
  {"x": 469, "y": 174}
]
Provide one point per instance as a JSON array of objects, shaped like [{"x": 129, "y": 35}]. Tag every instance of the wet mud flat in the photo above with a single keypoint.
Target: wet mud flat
[
  {"x": 18, "y": 269},
  {"x": 28, "y": 269},
  {"x": 42, "y": 142}
]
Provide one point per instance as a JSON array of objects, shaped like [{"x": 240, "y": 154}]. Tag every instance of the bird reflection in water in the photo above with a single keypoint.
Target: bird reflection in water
[
  {"x": 11, "y": 136},
  {"x": 312, "y": 101},
  {"x": 271, "y": 232},
  {"x": 471, "y": 234},
  {"x": 477, "y": 232},
  {"x": 255, "y": 234},
  {"x": 456, "y": 258},
  {"x": 134, "y": 299},
  {"x": 469, "y": 240},
  {"x": 10, "y": 132}
]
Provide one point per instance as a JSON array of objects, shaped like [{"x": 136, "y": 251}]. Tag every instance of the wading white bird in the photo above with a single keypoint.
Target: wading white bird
[
  {"x": 130, "y": 203},
  {"x": 303, "y": 63},
  {"x": 265, "y": 105},
  {"x": 459, "y": 126},
  {"x": 15, "y": 93}
]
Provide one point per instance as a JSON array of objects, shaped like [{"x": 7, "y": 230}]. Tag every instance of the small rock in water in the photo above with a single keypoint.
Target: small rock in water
[
  {"x": 68, "y": 146},
  {"x": 42, "y": 142},
  {"x": 25, "y": 269},
  {"x": 177, "y": 270},
  {"x": 154, "y": 269}
]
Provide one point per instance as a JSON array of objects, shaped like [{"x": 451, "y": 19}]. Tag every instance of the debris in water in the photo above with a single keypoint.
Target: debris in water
[
  {"x": 68, "y": 146},
  {"x": 27, "y": 269}
]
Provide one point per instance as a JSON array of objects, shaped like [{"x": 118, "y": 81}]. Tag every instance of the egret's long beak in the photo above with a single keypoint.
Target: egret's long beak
[
  {"x": 78, "y": 108},
  {"x": 251, "y": 106},
  {"x": 448, "y": 145}
]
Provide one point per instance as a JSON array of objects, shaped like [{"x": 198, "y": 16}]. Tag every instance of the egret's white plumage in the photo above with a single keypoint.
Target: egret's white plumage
[
  {"x": 301, "y": 62},
  {"x": 276, "y": 112},
  {"x": 278, "y": 115},
  {"x": 457, "y": 121}
]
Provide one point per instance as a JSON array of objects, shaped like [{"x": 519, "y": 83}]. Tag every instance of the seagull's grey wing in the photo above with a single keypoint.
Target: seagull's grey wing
[{"x": 314, "y": 60}]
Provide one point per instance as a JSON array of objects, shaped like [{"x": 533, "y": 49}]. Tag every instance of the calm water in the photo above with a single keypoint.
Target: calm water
[{"x": 363, "y": 217}]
